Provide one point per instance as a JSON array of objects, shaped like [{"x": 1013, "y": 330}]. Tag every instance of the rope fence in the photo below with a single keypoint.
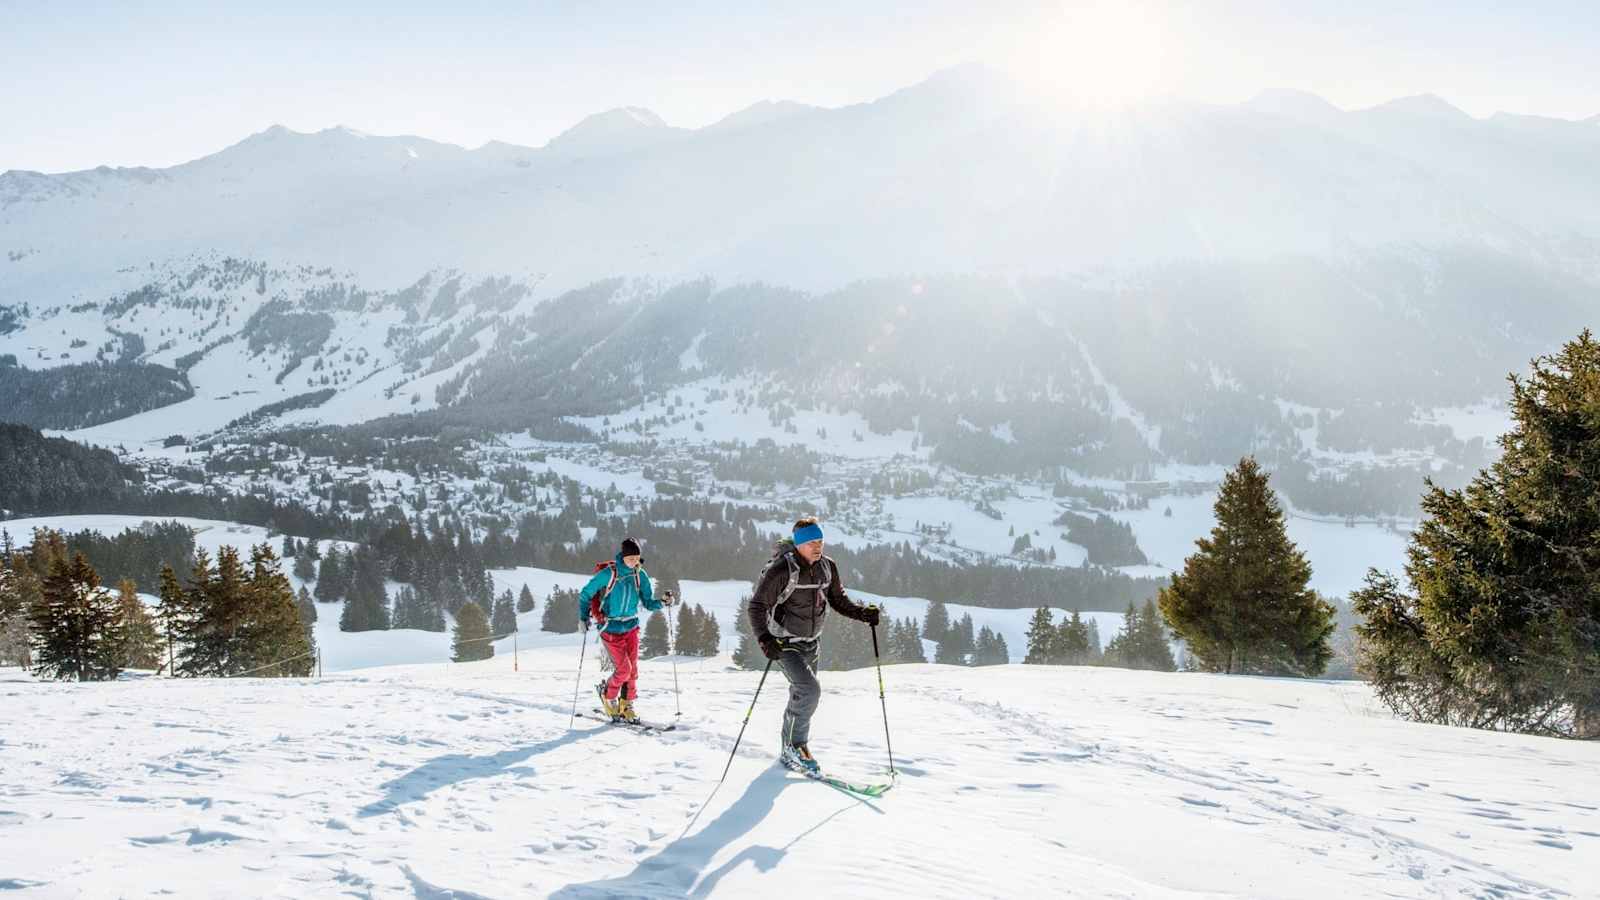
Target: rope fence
[{"x": 316, "y": 653}]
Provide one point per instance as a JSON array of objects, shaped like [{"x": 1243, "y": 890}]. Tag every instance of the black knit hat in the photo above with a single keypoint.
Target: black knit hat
[{"x": 630, "y": 547}]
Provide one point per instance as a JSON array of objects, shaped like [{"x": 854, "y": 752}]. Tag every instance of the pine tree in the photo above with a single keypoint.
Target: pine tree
[
  {"x": 1151, "y": 645},
  {"x": 288, "y": 547},
  {"x": 429, "y": 613},
  {"x": 504, "y": 620},
  {"x": 525, "y": 600},
  {"x": 1042, "y": 637},
  {"x": 216, "y": 612},
  {"x": 710, "y": 633},
  {"x": 1243, "y": 602},
  {"x": 968, "y": 641},
  {"x": 273, "y": 641},
  {"x": 471, "y": 635},
  {"x": 330, "y": 581},
  {"x": 908, "y": 642},
  {"x": 75, "y": 621},
  {"x": 1120, "y": 651},
  {"x": 949, "y": 652},
  {"x": 1072, "y": 641},
  {"x": 937, "y": 622},
  {"x": 655, "y": 640},
  {"x": 1002, "y": 653},
  {"x": 366, "y": 605},
  {"x": 19, "y": 591},
  {"x": 560, "y": 612},
  {"x": 748, "y": 654},
  {"x": 306, "y": 606},
  {"x": 1143, "y": 642},
  {"x": 980, "y": 648},
  {"x": 412, "y": 609},
  {"x": 687, "y": 640},
  {"x": 305, "y": 567},
  {"x": 845, "y": 645},
  {"x": 308, "y": 617},
  {"x": 1500, "y": 628},
  {"x": 172, "y": 617},
  {"x": 405, "y": 611},
  {"x": 140, "y": 645}
]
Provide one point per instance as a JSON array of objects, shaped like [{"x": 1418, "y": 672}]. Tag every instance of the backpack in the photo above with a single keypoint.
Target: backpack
[
  {"x": 597, "y": 602},
  {"x": 786, "y": 553}
]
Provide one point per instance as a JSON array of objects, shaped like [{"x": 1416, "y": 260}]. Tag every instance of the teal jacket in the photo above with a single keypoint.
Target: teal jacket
[{"x": 621, "y": 608}]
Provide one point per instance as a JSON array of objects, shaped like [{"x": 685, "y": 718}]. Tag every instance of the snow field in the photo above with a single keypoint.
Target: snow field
[{"x": 465, "y": 781}]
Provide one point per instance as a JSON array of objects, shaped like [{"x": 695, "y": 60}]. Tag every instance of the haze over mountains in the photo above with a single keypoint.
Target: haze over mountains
[
  {"x": 960, "y": 273},
  {"x": 965, "y": 172}
]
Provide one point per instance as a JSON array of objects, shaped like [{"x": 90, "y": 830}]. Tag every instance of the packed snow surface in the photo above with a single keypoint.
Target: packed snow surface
[{"x": 1017, "y": 781}]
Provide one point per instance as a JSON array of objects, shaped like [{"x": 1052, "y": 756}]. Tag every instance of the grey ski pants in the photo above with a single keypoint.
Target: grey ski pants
[{"x": 799, "y": 662}]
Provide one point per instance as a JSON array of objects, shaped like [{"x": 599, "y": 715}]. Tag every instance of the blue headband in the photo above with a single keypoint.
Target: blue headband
[{"x": 807, "y": 534}]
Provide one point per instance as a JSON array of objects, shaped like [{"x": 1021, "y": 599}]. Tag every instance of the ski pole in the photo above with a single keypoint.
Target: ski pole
[
  {"x": 732, "y": 754},
  {"x": 673, "y": 634},
  {"x": 877, "y": 661},
  {"x": 747, "y": 715},
  {"x": 583, "y": 648}
]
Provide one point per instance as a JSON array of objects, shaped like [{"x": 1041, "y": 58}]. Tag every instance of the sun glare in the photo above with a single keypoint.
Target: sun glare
[{"x": 1096, "y": 53}]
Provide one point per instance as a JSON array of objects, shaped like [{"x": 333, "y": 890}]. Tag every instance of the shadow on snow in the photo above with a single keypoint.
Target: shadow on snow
[
  {"x": 454, "y": 768},
  {"x": 675, "y": 871}
]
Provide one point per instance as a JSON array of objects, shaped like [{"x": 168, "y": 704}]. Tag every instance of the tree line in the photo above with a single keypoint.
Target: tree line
[{"x": 227, "y": 618}]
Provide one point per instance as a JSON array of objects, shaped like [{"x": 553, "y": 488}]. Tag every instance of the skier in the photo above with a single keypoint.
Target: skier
[
  {"x": 611, "y": 600},
  {"x": 786, "y": 615}
]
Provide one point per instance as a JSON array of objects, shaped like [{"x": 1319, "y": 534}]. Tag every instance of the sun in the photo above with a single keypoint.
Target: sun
[{"x": 1096, "y": 53}]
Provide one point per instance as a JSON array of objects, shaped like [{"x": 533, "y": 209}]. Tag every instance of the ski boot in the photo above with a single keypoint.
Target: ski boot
[
  {"x": 625, "y": 710},
  {"x": 612, "y": 708},
  {"x": 799, "y": 758}
]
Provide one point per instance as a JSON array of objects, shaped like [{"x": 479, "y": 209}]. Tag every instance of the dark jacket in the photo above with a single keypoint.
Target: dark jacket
[{"x": 802, "y": 615}]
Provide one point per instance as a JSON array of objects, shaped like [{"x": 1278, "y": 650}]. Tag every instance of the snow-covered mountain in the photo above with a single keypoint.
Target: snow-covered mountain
[
  {"x": 965, "y": 172},
  {"x": 1339, "y": 292}
]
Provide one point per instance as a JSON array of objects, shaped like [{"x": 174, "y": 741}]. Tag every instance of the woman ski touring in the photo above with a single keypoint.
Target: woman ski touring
[
  {"x": 787, "y": 613},
  {"x": 611, "y": 600}
]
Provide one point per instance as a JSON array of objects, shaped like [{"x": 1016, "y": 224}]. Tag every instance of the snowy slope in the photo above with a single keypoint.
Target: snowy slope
[{"x": 466, "y": 781}]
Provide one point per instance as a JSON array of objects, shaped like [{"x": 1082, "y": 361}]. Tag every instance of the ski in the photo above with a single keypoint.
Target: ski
[
  {"x": 600, "y": 716},
  {"x": 861, "y": 790}
]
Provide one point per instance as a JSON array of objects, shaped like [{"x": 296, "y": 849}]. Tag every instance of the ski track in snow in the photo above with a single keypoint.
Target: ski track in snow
[{"x": 465, "y": 781}]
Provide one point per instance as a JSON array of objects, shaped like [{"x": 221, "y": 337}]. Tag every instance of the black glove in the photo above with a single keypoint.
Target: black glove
[
  {"x": 771, "y": 647},
  {"x": 871, "y": 615}
]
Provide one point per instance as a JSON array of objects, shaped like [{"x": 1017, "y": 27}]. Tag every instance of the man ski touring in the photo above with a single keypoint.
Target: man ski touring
[
  {"x": 611, "y": 600},
  {"x": 787, "y": 613}
]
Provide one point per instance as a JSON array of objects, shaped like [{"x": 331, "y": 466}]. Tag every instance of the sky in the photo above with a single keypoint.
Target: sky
[{"x": 89, "y": 83}]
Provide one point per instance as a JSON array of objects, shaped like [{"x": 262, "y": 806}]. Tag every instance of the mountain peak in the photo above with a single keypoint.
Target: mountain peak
[
  {"x": 1430, "y": 106},
  {"x": 1292, "y": 102},
  {"x": 620, "y": 130}
]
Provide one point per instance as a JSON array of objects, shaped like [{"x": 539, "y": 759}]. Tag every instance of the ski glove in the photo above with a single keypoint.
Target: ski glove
[
  {"x": 584, "y": 622},
  {"x": 771, "y": 647},
  {"x": 870, "y": 615}
]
